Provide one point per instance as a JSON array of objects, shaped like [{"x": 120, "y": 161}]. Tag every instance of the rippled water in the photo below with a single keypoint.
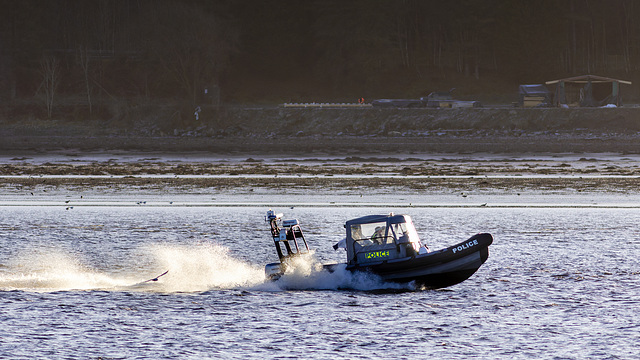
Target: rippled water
[{"x": 559, "y": 283}]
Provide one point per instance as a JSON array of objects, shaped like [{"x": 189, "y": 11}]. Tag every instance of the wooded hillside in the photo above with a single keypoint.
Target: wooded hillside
[{"x": 315, "y": 50}]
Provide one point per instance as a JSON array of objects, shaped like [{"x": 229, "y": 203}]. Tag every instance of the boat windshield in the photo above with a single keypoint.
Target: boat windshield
[
  {"x": 406, "y": 229},
  {"x": 371, "y": 234}
]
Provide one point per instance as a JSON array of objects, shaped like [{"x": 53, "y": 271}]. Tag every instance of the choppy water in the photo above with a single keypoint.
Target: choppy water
[{"x": 559, "y": 283}]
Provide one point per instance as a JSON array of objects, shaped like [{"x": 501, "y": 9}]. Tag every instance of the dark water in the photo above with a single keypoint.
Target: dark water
[{"x": 559, "y": 284}]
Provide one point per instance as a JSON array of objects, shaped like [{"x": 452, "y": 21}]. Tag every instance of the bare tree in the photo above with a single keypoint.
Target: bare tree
[
  {"x": 83, "y": 60},
  {"x": 192, "y": 46},
  {"x": 49, "y": 68}
]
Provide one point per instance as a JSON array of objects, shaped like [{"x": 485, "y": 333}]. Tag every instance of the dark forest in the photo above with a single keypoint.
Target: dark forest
[{"x": 268, "y": 52}]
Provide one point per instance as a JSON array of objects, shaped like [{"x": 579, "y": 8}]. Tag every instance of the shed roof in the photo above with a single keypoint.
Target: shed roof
[{"x": 583, "y": 79}]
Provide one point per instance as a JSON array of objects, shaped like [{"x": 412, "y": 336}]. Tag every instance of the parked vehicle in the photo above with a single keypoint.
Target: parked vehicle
[
  {"x": 398, "y": 103},
  {"x": 436, "y": 99}
]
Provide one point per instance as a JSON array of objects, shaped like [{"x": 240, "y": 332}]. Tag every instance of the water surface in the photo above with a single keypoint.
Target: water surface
[{"x": 559, "y": 283}]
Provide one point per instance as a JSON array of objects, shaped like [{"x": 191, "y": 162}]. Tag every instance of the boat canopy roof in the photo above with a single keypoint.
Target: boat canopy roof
[{"x": 391, "y": 219}]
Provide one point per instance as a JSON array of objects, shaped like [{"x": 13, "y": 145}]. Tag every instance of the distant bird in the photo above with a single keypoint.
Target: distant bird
[
  {"x": 157, "y": 277},
  {"x": 66, "y": 202}
]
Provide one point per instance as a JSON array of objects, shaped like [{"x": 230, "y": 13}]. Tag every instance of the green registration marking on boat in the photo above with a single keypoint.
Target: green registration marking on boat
[{"x": 376, "y": 254}]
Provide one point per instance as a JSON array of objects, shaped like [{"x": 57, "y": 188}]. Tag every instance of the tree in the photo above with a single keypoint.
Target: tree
[
  {"x": 357, "y": 39},
  {"x": 192, "y": 46},
  {"x": 83, "y": 60},
  {"x": 49, "y": 68}
]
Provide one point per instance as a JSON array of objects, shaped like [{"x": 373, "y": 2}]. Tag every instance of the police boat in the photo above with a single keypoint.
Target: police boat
[{"x": 386, "y": 245}]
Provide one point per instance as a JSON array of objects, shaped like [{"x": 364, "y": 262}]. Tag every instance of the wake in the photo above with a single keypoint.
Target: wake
[{"x": 175, "y": 269}]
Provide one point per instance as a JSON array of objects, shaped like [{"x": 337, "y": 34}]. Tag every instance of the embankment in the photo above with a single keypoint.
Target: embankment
[
  {"x": 276, "y": 129},
  {"x": 385, "y": 122}
]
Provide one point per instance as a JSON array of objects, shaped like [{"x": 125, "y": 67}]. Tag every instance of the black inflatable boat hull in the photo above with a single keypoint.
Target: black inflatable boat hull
[{"x": 436, "y": 269}]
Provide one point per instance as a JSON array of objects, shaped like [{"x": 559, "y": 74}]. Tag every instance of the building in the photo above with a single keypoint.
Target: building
[{"x": 587, "y": 90}]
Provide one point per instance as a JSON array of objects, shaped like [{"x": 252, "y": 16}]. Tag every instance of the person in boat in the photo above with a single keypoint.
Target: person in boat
[
  {"x": 378, "y": 236},
  {"x": 356, "y": 233},
  {"x": 419, "y": 247}
]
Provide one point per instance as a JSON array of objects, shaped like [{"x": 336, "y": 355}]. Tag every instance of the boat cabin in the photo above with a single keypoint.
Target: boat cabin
[{"x": 378, "y": 238}]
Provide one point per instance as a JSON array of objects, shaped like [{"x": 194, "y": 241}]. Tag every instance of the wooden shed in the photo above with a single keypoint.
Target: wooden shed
[{"x": 588, "y": 90}]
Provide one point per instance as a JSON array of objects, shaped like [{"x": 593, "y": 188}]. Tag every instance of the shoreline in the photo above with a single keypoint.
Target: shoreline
[{"x": 498, "y": 142}]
